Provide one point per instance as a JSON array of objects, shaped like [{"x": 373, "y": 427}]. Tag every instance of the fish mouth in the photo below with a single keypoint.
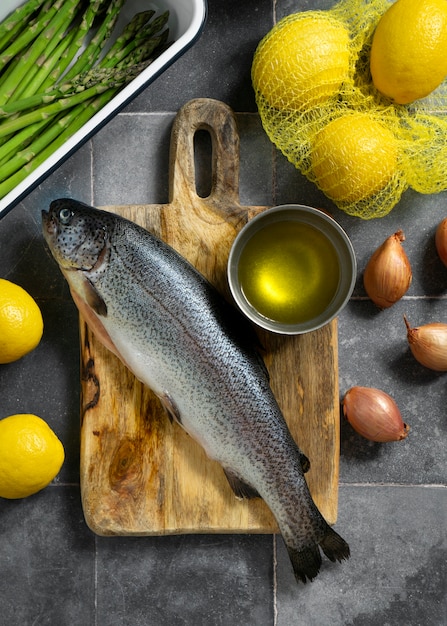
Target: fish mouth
[{"x": 48, "y": 225}]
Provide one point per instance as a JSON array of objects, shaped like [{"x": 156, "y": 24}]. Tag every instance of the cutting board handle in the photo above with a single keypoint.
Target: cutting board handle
[{"x": 218, "y": 119}]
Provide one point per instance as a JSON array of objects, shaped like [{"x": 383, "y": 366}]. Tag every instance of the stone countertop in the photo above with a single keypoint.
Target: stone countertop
[{"x": 392, "y": 497}]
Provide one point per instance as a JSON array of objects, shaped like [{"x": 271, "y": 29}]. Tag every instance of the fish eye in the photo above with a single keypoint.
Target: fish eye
[{"x": 65, "y": 216}]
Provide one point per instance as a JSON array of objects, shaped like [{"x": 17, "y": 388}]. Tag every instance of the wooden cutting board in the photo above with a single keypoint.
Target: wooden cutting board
[{"x": 142, "y": 474}]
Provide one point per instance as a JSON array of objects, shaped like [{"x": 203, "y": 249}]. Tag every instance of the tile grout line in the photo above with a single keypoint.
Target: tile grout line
[
  {"x": 95, "y": 560},
  {"x": 145, "y": 113},
  {"x": 273, "y": 198},
  {"x": 424, "y": 297},
  {"x": 92, "y": 198},
  {"x": 275, "y": 582},
  {"x": 60, "y": 485},
  {"x": 404, "y": 485},
  {"x": 95, "y": 593}
]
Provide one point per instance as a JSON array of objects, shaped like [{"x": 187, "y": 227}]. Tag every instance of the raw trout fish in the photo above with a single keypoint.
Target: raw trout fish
[{"x": 182, "y": 339}]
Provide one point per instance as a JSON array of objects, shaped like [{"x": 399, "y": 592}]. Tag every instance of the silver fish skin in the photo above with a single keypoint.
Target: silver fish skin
[{"x": 181, "y": 338}]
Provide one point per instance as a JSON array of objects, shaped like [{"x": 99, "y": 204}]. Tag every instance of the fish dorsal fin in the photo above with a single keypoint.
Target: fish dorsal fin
[{"x": 240, "y": 489}]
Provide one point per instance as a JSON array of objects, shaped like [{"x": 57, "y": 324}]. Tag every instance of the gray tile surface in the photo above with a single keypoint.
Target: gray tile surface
[
  {"x": 393, "y": 497},
  {"x": 47, "y": 560},
  {"x": 185, "y": 580},
  {"x": 397, "y": 573}
]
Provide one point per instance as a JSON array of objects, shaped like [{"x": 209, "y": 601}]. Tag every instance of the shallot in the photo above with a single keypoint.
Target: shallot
[
  {"x": 441, "y": 240},
  {"x": 428, "y": 343},
  {"x": 374, "y": 414},
  {"x": 388, "y": 273}
]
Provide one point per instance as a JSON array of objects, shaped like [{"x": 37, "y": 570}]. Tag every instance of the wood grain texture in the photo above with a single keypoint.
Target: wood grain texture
[{"x": 143, "y": 475}]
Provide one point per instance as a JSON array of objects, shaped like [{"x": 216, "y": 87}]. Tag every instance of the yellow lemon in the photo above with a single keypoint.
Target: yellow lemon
[
  {"x": 302, "y": 61},
  {"x": 354, "y": 157},
  {"x": 21, "y": 324},
  {"x": 409, "y": 49},
  {"x": 31, "y": 455}
]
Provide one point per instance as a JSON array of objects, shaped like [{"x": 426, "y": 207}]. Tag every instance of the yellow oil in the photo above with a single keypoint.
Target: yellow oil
[{"x": 289, "y": 272}]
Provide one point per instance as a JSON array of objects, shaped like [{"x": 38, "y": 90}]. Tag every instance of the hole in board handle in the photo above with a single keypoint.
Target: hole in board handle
[{"x": 203, "y": 163}]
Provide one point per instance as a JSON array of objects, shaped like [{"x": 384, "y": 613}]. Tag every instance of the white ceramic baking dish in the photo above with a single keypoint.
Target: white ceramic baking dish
[{"x": 186, "y": 22}]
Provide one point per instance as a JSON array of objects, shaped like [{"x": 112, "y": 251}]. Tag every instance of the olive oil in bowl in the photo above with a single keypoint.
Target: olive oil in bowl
[
  {"x": 291, "y": 269},
  {"x": 289, "y": 272}
]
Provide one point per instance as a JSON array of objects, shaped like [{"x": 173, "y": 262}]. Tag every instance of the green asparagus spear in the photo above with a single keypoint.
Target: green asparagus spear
[
  {"x": 99, "y": 78},
  {"x": 116, "y": 55},
  {"x": 75, "y": 45},
  {"x": 64, "y": 10},
  {"x": 90, "y": 55},
  {"x": 41, "y": 103},
  {"x": 120, "y": 78},
  {"x": 79, "y": 116},
  {"x": 41, "y": 141},
  {"x": 43, "y": 70},
  {"x": 17, "y": 21},
  {"x": 129, "y": 33},
  {"x": 28, "y": 35},
  {"x": 18, "y": 141}
]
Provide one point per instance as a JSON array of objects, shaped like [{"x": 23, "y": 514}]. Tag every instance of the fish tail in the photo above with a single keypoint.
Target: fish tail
[
  {"x": 306, "y": 561},
  {"x": 334, "y": 546}
]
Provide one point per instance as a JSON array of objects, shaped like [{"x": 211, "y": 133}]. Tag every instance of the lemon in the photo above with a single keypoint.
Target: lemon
[
  {"x": 409, "y": 49},
  {"x": 302, "y": 61},
  {"x": 21, "y": 324},
  {"x": 353, "y": 157},
  {"x": 31, "y": 455}
]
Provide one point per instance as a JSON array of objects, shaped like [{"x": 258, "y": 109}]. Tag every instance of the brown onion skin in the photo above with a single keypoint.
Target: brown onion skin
[
  {"x": 388, "y": 274},
  {"x": 428, "y": 344},
  {"x": 441, "y": 240},
  {"x": 374, "y": 415}
]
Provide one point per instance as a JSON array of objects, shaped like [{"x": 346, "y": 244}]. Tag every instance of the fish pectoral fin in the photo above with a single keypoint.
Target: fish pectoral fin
[
  {"x": 240, "y": 489},
  {"x": 95, "y": 324},
  {"x": 94, "y": 300},
  {"x": 171, "y": 408}
]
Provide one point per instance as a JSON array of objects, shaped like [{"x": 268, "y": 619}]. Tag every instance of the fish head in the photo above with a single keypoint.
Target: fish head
[
  {"x": 77, "y": 234},
  {"x": 79, "y": 237}
]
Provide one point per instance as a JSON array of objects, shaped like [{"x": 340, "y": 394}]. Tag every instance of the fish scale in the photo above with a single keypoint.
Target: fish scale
[{"x": 181, "y": 338}]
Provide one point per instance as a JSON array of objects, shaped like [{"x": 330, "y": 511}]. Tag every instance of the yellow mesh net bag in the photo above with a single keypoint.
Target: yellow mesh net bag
[{"x": 318, "y": 105}]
